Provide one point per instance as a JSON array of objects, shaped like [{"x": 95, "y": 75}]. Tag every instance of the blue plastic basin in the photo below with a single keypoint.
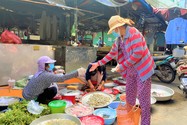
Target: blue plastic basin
[
  {"x": 115, "y": 104},
  {"x": 108, "y": 114}
]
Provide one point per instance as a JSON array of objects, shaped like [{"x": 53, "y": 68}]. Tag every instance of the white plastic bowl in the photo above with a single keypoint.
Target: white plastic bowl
[
  {"x": 153, "y": 101},
  {"x": 110, "y": 85}
]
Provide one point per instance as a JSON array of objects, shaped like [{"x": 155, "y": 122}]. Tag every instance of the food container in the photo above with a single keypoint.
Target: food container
[
  {"x": 11, "y": 83},
  {"x": 123, "y": 98},
  {"x": 111, "y": 91},
  {"x": 5, "y": 101},
  {"x": 110, "y": 85},
  {"x": 56, "y": 116},
  {"x": 161, "y": 93},
  {"x": 109, "y": 115},
  {"x": 70, "y": 95},
  {"x": 118, "y": 97},
  {"x": 119, "y": 81},
  {"x": 115, "y": 104},
  {"x": 153, "y": 101},
  {"x": 121, "y": 89},
  {"x": 57, "y": 106},
  {"x": 101, "y": 98},
  {"x": 79, "y": 110},
  {"x": 69, "y": 98},
  {"x": 92, "y": 120}
]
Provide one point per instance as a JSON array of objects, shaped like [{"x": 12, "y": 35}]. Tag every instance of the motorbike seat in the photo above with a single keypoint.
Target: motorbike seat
[{"x": 159, "y": 58}]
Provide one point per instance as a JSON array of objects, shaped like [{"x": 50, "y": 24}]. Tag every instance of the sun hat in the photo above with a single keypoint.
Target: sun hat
[
  {"x": 45, "y": 59},
  {"x": 41, "y": 64},
  {"x": 117, "y": 21}
]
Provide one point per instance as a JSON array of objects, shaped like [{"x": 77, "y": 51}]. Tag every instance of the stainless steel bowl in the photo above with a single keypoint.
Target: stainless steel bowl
[
  {"x": 161, "y": 93},
  {"x": 56, "y": 116}
]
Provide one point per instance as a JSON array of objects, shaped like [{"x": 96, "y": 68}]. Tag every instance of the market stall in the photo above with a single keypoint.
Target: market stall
[{"x": 73, "y": 105}]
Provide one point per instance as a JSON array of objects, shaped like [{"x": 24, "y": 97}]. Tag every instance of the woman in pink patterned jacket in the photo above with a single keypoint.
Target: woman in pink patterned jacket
[{"x": 135, "y": 63}]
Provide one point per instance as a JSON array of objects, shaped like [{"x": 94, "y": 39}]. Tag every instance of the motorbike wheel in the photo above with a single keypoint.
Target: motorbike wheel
[{"x": 168, "y": 74}]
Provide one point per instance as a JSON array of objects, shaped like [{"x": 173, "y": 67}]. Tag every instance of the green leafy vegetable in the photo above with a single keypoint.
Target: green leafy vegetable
[
  {"x": 21, "y": 83},
  {"x": 18, "y": 114}
]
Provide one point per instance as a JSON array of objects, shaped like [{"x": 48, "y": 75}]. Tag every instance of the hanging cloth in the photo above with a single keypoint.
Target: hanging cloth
[{"x": 176, "y": 31}]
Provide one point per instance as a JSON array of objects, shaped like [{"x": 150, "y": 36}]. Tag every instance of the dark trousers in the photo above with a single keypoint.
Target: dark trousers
[{"x": 47, "y": 95}]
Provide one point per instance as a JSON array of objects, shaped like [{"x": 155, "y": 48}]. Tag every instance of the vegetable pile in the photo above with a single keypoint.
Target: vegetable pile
[{"x": 18, "y": 114}]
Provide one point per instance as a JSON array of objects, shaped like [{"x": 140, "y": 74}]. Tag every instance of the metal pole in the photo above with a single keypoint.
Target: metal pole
[
  {"x": 102, "y": 38},
  {"x": 76, "y": 22}
]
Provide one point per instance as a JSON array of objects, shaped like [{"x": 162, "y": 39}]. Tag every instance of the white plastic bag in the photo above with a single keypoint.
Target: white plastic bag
[{"x": 34, "y": 107}]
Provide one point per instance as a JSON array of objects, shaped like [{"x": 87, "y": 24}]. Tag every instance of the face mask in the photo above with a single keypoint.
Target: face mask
[
  {"x": 115, "y": 34},
  {"x": 51, "y": 66}
]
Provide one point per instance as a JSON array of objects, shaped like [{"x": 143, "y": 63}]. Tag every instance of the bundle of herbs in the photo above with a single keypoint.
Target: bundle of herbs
[{"x": 17, "y": 114}]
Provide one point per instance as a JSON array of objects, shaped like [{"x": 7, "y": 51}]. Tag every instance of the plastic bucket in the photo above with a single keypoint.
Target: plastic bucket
[
  {"x": 69, "y": 98},
  {"x": 57, "y": 106}
]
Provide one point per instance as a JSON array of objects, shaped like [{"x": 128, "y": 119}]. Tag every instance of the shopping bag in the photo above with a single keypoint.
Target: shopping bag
[
  {"x": 128, "y": 114},
  {"x": 9, "y": 37}
]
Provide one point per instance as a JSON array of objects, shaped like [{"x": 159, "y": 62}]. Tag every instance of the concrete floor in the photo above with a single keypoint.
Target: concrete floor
[{"x": 173, "y": 112}]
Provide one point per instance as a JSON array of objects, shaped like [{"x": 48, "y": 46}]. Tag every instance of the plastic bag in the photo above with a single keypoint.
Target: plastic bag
[
  {"x": 9, "y": 37},
  {"x": 128, "y": 115},
  {"x": 34, "y": 107}
]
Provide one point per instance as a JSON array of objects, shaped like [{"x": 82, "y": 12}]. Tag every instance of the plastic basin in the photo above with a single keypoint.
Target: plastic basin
[
  {"x": 92, "y": 120},
  {"x": 109, "y": 115},
  {"x": 57, "y": 106},
  {"x": 115, "y": 104}
]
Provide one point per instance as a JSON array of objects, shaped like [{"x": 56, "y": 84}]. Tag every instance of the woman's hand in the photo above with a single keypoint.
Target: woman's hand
[
  {"x": 99, "y": 87},
  {"x": 94, "y": 66},
  {"x": 92, "y": 88},
  {"x": 118, "y": 68},
  {"x": 81, "y": 72}
]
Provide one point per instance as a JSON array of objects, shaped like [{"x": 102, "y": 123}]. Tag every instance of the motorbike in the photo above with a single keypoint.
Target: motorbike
[
  {"x": 182, "y": 75},
  {"x": 165, "y": 68},
  {"x": 183, "y": 83}
]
